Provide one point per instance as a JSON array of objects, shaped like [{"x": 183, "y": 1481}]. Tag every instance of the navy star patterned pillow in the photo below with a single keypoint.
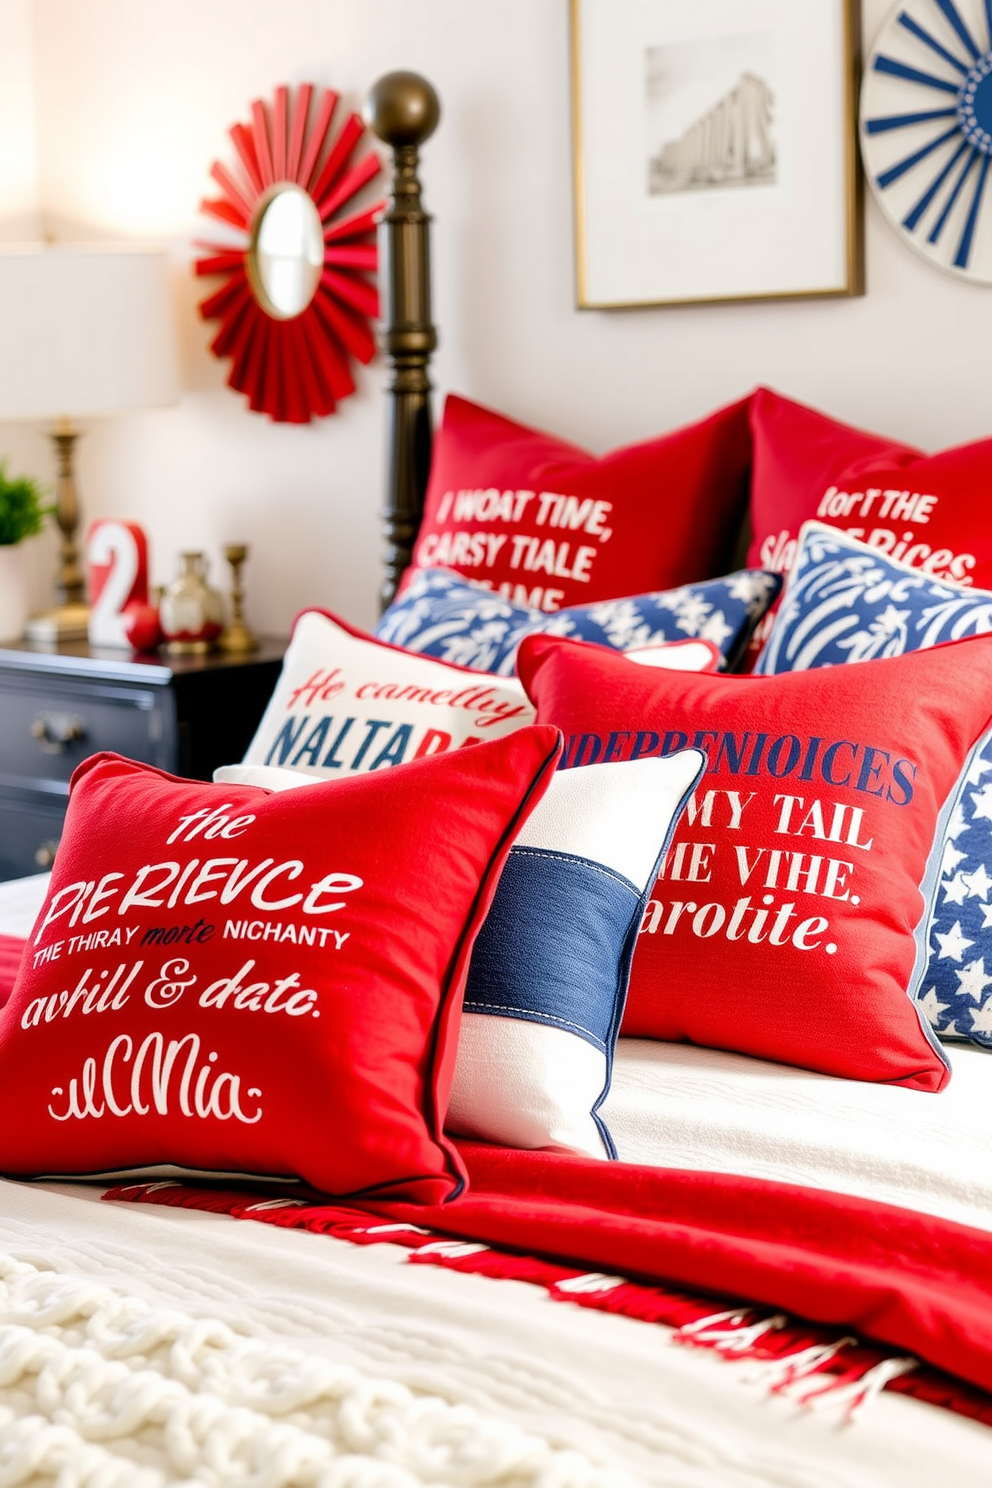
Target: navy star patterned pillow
[
  {"x": 847, "y": 602},
  {"x": 958, "y": 990},
  {"x": 441, "y": 614}
]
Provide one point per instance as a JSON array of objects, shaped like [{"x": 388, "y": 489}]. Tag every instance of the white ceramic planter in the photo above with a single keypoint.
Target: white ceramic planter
[{"x": 13, "y": 593}]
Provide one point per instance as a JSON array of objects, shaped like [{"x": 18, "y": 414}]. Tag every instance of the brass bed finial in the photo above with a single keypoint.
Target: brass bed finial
[{"x": 403, "y": 110}]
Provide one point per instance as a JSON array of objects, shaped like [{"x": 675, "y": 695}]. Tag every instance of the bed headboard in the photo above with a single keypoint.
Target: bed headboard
[{"x": 404, "y": 110}]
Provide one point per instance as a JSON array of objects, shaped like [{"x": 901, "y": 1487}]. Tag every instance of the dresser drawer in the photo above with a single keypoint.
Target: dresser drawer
[
  {"x": 47, "y": 726},
  {"x": 30, "y": 828}
]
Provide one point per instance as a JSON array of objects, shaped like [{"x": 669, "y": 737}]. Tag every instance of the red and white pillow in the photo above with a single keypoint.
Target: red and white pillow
[
  {"x": 930, "y": 511},
  {"x": 347, "y": 704},
  {"x": 788, "y": 920},
  {"x": 550, "y": 526},
  {"x": 230, "y": 981}
]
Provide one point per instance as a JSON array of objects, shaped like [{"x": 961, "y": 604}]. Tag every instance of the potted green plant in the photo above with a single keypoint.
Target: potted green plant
[{"x": 22, "y": 515}]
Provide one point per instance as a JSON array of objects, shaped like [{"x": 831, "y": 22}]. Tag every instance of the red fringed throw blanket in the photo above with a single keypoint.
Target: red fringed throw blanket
[{"x": 916, "y": 1284}]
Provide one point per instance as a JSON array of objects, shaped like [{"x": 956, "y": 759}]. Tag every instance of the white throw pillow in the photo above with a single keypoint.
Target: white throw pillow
[{"x": 346, "y": 704}]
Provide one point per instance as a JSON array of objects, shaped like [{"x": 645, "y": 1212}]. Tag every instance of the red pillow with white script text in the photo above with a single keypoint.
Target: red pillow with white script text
[
  {"x": 788, "y": 920},
  {"x": 551, "y": 526},
  {"x": 229, "y": 980},
  {"x": 930, "y": 511}
]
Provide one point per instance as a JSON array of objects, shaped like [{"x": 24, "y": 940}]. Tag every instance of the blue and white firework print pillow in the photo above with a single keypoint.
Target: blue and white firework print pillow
[
  {"x": 847, "y": 602},
  {"x": 442, "y": 614}
]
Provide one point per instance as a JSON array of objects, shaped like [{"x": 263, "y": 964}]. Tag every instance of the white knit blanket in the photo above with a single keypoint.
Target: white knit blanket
[{"x": 103, "y": 1390}]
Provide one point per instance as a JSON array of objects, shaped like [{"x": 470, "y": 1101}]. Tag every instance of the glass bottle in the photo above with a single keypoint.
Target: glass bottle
[{"x": 191, "y": 613}]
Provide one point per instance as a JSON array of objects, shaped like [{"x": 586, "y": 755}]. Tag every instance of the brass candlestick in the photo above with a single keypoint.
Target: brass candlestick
[{"x": 237, "y": 637}]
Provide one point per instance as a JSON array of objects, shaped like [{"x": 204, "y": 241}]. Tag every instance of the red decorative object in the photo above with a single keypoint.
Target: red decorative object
[
  {"x": 117, "y": 574},
  {"x": 294, "y": 367},
  {"x": 141, "y": 626}
]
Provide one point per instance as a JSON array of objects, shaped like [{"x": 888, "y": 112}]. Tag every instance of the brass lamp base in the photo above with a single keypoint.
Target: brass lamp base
[
  {"x": 68, "y": 622},
  {"x": 69, "y": 619}
]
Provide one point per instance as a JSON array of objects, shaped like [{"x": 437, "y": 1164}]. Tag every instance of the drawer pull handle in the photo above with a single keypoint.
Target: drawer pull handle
[
  {"x": 56, "y": 731},
  {"x": 45, "y": 856}
]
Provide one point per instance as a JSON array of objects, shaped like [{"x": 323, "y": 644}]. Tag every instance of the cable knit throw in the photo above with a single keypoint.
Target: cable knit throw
[{"x": 100, "y": 1390}]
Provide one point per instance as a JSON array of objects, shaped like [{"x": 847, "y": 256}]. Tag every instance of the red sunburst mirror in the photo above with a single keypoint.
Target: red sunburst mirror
[{"x": 299, "y": 296}]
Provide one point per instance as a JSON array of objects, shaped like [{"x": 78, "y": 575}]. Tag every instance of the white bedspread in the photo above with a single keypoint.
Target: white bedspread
[{"x": 676, "y": 1106}]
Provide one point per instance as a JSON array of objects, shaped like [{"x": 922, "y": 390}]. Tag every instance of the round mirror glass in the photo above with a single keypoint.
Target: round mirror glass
[{"x": 287, "y": 253}]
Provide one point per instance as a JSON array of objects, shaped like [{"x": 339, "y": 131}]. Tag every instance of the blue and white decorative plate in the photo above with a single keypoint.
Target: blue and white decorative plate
[{"x": 926, "y": 130}]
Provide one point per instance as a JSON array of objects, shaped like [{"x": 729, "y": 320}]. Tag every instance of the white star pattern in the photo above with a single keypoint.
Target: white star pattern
[
  {"x": 981, "y": 1021},
  {"x": 693, "y": 613},
  {"x": 983, "y": 803},
  {"x": 973, "y": 980},
  {"x": 953, "y": 944},
  {"x": 952, "y": 857},
  {"x": 892, "y": 620},
  {"x": 931, "y": 1007},
  {"x": 987, "y": 917},
  {"x": 716, "y": 629},
  {"x": 955, "y": 890},
  {"x": 751, "y": 588},
  {"x": 978, "y": 883}
]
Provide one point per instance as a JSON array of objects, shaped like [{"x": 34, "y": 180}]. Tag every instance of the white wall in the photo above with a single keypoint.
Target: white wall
[
  {"x": 133, "y": 101},
  {"x": 23, "y": 446}
]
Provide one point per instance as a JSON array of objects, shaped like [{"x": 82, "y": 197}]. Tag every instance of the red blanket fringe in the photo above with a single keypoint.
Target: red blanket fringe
[{"x": 814, "y": 1365}]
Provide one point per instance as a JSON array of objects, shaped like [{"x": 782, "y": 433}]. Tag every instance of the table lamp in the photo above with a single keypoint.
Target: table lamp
[{"x": 84, "y": 331}]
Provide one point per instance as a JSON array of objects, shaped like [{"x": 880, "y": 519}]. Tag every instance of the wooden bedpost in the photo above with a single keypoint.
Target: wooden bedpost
[{"x": 404, "y": 110}]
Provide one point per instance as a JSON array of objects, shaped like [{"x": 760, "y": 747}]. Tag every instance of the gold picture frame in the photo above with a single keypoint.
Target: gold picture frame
[{"x": 684, "y": 235}]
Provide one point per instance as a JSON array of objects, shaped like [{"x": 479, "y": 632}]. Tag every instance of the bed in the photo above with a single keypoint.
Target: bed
[{"x": 784, "y": 1279}]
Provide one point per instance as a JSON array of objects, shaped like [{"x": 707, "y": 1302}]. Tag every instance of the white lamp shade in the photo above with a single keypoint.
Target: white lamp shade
[{"x": 84, "y": 331}]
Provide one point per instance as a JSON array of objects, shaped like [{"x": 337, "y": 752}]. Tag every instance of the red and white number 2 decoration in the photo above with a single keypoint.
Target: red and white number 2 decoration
[
  {"x": 293, "y": 361},
  {"x": 117, "y": 575}
]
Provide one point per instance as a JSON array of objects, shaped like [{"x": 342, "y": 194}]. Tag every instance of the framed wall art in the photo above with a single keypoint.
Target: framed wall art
[{"x": 715, "y": 150}]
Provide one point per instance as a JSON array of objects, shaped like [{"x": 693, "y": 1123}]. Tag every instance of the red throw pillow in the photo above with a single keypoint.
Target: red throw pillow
[
  {"x": 930, "y": 511},
  {"x": 229, "y": 980},
  {"x": 551, "y": 526},
  {"x": 788, "y": 921}
]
